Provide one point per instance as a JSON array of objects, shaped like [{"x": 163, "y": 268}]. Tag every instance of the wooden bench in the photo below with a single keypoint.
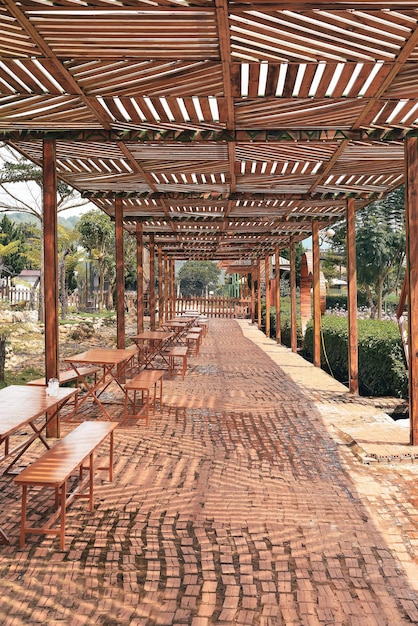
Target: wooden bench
[
  {"x": 145, "y": 382},
  {"x": 70, "y": 455},
  {"x": 67, "y": 376},
  {"x": 177, "y": 352}
]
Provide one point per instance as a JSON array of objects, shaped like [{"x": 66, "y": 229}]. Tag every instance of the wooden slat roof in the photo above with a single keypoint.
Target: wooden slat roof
[{"x": 225, "y": 127}]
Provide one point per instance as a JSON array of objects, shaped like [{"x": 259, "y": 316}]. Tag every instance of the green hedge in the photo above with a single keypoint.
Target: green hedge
[
  {"x": 339, "y": 301},
  {"x": 285, "y": 326},
  {"x": 382, "y": 367}
]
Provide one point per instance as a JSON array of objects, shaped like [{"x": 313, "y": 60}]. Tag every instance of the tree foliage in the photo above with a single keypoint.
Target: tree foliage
[
  {"x": 380, "y": 248},
  {"x": 197, "y": 277},
  {"x": 97, "y": 237},
  {"x": 12, "y": 248}
]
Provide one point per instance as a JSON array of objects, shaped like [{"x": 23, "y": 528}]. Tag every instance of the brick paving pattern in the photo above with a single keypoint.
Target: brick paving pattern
[{"x": 245, "y": 501}]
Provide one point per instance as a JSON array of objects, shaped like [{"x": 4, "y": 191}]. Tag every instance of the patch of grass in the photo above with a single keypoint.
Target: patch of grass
[{"x": 21, "y": 377}]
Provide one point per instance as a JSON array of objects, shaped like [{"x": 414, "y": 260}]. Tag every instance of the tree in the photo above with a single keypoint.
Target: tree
[
  {"x": 299, "y": 252},
  {"x": 21, "y": 187},
  {"x": 197, "y": 277},
  {"x": 97, "y": 236},
  {"x": 68, "y": 257},
  {"x": 21, "y": 184},
  {"x": 11, "y": 248},
  {"x": 380, "y": 248}
]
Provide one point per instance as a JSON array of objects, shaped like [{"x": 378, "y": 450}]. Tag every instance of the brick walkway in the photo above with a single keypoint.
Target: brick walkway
[{"x": 263, "y": 494}]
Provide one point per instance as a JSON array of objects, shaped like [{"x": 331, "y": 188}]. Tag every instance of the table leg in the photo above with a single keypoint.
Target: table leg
[
  {"x": 36, "y": 435},
  {"x": 91, "y": 390}
]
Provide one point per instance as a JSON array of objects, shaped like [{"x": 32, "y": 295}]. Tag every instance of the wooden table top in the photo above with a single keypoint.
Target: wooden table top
[
  {"x": 152, "y": 335},
  {"x": 21, "y": 404},
  {"x": 101, "y": 356}
]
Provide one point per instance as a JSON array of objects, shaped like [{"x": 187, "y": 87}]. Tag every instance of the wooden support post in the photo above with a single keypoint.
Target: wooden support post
[
  {"x": 253, "y": 279},
  {"x": 167, "y": 287},
  {"x": 278, "y": 303},
  {"x": 173, "y": 288},
  {"x": 316, "y": 295},
  {"x": 259, "y": 293},
  {"x": 293, "y": 316},
  {"x": 267, "y": 273},
  {"x": 411, "y": 197},
  {"x": 352, "y": 299},
  {"x": 50, "y": 237},
  {"x": 160, "y": 286},
  {"x": 151, "y": 300},
  {"x": 120, "y": 275},
  {"x": 140, "y": 279}
]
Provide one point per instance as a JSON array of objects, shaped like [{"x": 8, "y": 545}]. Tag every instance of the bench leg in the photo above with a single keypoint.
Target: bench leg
[
  {"x": 147, "y": 407},
  {"x": 23, "y": 516},
  {"x": 63, "y": 513},
  {"x": 91, "y": 481}
]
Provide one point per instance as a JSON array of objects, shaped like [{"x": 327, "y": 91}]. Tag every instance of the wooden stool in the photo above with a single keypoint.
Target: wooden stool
[
  {"x": 193, "y": 342},
  {"x": 177, "y": 352},
  {"x": 144, "y": 382}
]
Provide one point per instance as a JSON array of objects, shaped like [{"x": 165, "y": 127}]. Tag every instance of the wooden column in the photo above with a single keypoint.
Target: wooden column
[
  {"x": 293, "y": 316},
  {"x": 278, "y": 303},
  {"x": 267, "y": 272},
  {"x": 173, "y": 288},
  {"x": 152, "y": 281},
  {"x": 120, "y": 276},
  {"x": 140, "y": 280},
  {"x": 352, "y": 298},
  {"x": 259, "y": 293},
  {"x": 316, "y": 295},
  {"x": 411, "y": 197},
  {"x": 253, "y": 279},
  {"x": 50, "y": 236},
  {"x": 160, "y": 287},
  {"x": 167, "y": 287}
]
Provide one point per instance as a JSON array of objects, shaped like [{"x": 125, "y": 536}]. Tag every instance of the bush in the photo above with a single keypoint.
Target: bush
[
  {"x": 339, "y": 300},
  {"x": 285, "y": 326},
  {"x": 382, "y": 367}
]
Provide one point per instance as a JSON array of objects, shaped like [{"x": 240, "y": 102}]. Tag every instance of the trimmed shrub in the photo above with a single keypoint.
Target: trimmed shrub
[
  {"x": 382, "y": 367},
  {"x": 285, "y": 326},
  {"x": 339, "y": 300}
]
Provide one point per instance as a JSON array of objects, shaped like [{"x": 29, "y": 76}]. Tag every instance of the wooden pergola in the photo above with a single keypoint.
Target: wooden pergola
[{"x": 218, "y": 130}]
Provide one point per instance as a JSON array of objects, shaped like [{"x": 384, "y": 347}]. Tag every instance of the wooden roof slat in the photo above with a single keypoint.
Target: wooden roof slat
[
  {"x": 253, "y": 82},
  {"x": 306, "y": 83}
]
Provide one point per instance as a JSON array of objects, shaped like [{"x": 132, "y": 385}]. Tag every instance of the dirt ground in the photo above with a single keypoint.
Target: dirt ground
[{"x": 26, "y": 344}]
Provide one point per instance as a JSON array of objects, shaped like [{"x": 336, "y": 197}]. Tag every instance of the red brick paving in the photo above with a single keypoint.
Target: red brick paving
[{"x": 246, "y": 501}]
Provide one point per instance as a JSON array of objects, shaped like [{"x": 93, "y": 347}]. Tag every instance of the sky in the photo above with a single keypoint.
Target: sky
[{"x": 30, "y": 193}]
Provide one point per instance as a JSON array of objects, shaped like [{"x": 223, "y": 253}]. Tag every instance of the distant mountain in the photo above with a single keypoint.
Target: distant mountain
[{"x": 26, "y": 218}]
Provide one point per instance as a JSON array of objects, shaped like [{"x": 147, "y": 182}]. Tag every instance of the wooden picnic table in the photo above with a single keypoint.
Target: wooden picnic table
[
  {"x": 178, "y": 328},
  {"x": 21, "y": 406},
  {"x": 152, "y": 344},
  {"x": 113, "y": 362}
]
